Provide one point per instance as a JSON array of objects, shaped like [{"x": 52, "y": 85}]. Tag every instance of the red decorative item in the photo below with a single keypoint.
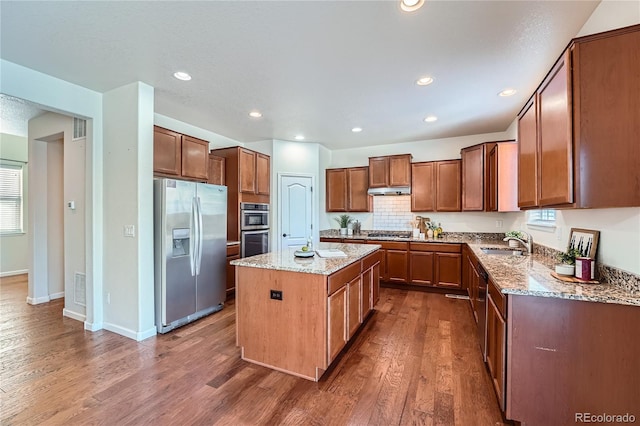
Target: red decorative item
[{"x": 585, "y": 268}]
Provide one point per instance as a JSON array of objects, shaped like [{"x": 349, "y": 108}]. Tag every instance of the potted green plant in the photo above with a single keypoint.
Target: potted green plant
[
  {"x": 343, "y": 220},
  {"x": 567, "y": 261},
  {"x": 513, "y": 234}
]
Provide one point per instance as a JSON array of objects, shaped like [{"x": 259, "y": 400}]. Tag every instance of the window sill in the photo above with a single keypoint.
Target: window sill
[
  {"x": 12, "y": 234},
  {"x": 542, "y": 226}
]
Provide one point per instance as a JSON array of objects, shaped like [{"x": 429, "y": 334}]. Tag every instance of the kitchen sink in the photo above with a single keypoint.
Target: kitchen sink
[{"x": 502, "y": 251}]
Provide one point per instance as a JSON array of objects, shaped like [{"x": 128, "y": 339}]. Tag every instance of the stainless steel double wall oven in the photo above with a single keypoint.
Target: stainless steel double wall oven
[{"x": 254, "y": 229}]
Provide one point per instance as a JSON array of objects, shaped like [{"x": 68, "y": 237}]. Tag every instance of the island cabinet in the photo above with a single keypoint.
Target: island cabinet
[
  {"x": 298, "y": 322},
  {"x": 435, "y": 264},
  {"x": 347, "y": 190},
  {"x": 179, "y": 156},
  {"x": 392, "y": 170},
  {"x": 489, "y": 180},
  {"x": 577, "y": 134},
  {"x": 435, "y": 186}
]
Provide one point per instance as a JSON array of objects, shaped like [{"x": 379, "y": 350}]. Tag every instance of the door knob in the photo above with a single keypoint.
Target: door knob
[{"x": 284, "y": 235}]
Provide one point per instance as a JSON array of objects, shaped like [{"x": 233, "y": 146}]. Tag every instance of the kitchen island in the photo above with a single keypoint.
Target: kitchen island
[{"x": 296, "y": 314}]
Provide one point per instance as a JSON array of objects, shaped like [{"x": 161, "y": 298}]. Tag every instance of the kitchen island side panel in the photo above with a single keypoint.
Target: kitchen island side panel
[{"x": 289, "y": 334}]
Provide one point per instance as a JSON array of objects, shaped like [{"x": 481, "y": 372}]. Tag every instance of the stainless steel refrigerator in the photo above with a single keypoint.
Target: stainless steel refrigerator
[{"x": 190, "y": 232}]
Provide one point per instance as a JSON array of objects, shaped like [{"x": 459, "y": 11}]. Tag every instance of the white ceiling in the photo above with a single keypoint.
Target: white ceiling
[
  {"x": 317, "y": 68},
  {"x": 15, "y": 115}
]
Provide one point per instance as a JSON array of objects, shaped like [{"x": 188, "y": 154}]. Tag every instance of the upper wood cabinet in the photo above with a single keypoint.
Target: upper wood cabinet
[
  {"x": 246, "y": 170},
  {"x": 578, "y": 134},
  {"x": 180, "y": 156},
  {"x": 435, "y": 186},
  {"x": 263, "y": 174},
  {"x": 489, "y": 181},
  {"x": 216, "y": 170},
  {"x": 346, "y": 190},
  {"x": 392, "y": 170}
]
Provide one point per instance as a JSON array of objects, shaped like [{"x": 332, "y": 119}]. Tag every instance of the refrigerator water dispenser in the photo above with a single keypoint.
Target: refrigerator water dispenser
[{"x": 181, "y": 238}]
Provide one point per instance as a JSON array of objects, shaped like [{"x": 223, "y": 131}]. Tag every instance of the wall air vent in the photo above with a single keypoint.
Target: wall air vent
[
  {"x": 80, "y": 289},
  {"x": 79, "y": 128}
]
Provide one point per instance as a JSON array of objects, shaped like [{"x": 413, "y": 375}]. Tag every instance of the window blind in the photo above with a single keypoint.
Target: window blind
[
  {"x": 542, "y": 216},
  {"x": 10, "y": 198}
]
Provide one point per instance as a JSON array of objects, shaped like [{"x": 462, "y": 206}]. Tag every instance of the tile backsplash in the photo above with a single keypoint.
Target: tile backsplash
[{"x": 392, "y": 212}]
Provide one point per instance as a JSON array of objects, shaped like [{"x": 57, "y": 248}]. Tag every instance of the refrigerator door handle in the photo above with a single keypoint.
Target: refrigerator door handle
[
  {"x": 200, "y": 236},
  {"x": 192, "y": 241}
]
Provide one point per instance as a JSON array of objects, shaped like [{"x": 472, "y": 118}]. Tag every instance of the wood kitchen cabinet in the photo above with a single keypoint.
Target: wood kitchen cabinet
[
  {"x": 337, "y": 322},
  {"x": 435, "y": 186},
  {"x": 435, "y": 265},
  {"x": 216, "y": 170},
  {"x": 179, "y": 156},
  {"x": 233, "y": 253},
  {"x": 496, "y": 338},
  {"x": 577, "y": 135},
  {"x": 354, "y": 295},
  {"x": 346, "y": 190},
  {"x": 394, "y": 261},
  {"x": 473, "y": 188},
  {"x": 392, "y": 170}
]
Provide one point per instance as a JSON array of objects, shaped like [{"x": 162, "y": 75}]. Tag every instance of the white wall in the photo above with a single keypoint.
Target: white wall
[
  {"x": 14, "y": 248},
  {"x": 611, "y": 14},
  {"x": 128, "y": 200},
  {"x": 215, "y": 140},
  {"x": 58, "y": 95}
]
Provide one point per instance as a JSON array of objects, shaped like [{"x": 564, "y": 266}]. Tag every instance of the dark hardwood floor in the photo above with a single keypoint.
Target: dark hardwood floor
[{"x": 416, "y": 361}]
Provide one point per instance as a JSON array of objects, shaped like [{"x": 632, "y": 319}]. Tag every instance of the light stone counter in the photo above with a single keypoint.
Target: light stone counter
[
  {"x": 285, "y": 260},
  {"x": 531, "y": 275}
]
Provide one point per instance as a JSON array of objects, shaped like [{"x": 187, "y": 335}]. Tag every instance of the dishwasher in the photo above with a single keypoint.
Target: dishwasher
[{"x": 482, "y": 302}]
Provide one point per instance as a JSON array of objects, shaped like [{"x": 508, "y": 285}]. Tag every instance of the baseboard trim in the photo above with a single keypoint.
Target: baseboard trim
[
  {"x": 59, "y": 295},
  {"x": 73, "y": 315},
  {"x": 90, "y": 326},
  {"x": 38, "y": 300},
  {"x": 12, "y": 273},
  {"x": 135, "y": 335}
]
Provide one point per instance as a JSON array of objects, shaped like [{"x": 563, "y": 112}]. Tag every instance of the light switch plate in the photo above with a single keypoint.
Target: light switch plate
[{"x": 129, "y": 231}]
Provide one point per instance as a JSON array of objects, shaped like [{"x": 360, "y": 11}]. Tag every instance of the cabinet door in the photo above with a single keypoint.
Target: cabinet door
[
  {"x": 231, "y": 273},
  {"x": 474, "y": 278},
  {"x": 421, "y": 268},
  {"x": 528, "y": 155},
  {"x": 167, "y": 152},
  {"x": 473, "y": 178},
  {"x": 216, "y": 170},
  {"x": 337, "y": 317},
  {"x": 357, "y": 184},
  {"x": 336, "y": 190},
  {"x": 247, "y": 166},
  {"x": 195, "y": 158},
  {"x": 400, "y": 170},
  {"x": 378, "y": 172},
  {"x": 423, "y": 185},
  {"x": 448, "y": 268},
  {"x": 263, "y": 174},
  {"x": 367, "y": 287},
  {"x": 397, "y": 266},
  {"x": 354, "y": 315},
  {"x": 448, "y": 186},
  {"x": 375, "y": 290},
  {"x": 492, "y": 186},
  {"x": 556, "y": 136},
  {"x": 496, "y": 339}
]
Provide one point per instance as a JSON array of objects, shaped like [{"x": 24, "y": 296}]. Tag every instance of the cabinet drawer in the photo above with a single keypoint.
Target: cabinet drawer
[
  {"x": 498, "y": 298},
  {"x": 330, "y": 240},
  {"x": 439, "y": 247},
  {"x": 371, "y": 260},
  {"x": 233, "y": 250},
  {"x": 393, "y": 245},
  {"x": 343, "y": 277}
]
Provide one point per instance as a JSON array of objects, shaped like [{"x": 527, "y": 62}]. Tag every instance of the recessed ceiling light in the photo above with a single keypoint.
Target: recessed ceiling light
[
  {"x": 424, "y": 81},
  {"x": 181, "y": 75},
  {"x": 507, "y": 92},
  {"x": 356, "y": 129},
  {"x": 431, "y": 119},
  {"x": 299, "y": 137},
  {"x": 255, "y": 114},
  {"x": 411, "y": 5}
]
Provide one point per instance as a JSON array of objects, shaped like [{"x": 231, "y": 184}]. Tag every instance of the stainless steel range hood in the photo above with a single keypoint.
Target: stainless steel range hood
[{"x": 395, "y": 190}]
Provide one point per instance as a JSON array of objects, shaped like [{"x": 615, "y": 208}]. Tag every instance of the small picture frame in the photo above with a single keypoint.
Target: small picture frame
[{"x": 585, "y": 240}]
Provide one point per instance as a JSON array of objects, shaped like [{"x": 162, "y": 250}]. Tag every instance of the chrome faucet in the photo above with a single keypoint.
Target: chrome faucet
[{"x": 527, "y": 244}]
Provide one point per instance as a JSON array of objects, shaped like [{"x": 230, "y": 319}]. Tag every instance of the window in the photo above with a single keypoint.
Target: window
[
  {"x": 10, "y": 198},
  {"x": 542, "y": 218}
]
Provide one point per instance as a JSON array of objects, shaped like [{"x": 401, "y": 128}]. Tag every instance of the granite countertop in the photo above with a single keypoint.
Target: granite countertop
[
  {"x": 447, "y": 237},
  {"x": 531, "y": 276},
  {"x": 285, "y": 260}
]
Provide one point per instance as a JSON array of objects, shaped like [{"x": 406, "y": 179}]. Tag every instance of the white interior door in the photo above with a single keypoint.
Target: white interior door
[{"x": 296, "y": 217}]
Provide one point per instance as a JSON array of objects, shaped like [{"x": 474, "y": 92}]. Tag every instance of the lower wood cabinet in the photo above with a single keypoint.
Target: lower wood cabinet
[
  {"x": 496, "y": 341},
  {"x": 435, "y": 264},
  {"x": 354, "y": 294},
  {"x": 337, "y": 326},
  {"x": 233, "y": 253}
]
